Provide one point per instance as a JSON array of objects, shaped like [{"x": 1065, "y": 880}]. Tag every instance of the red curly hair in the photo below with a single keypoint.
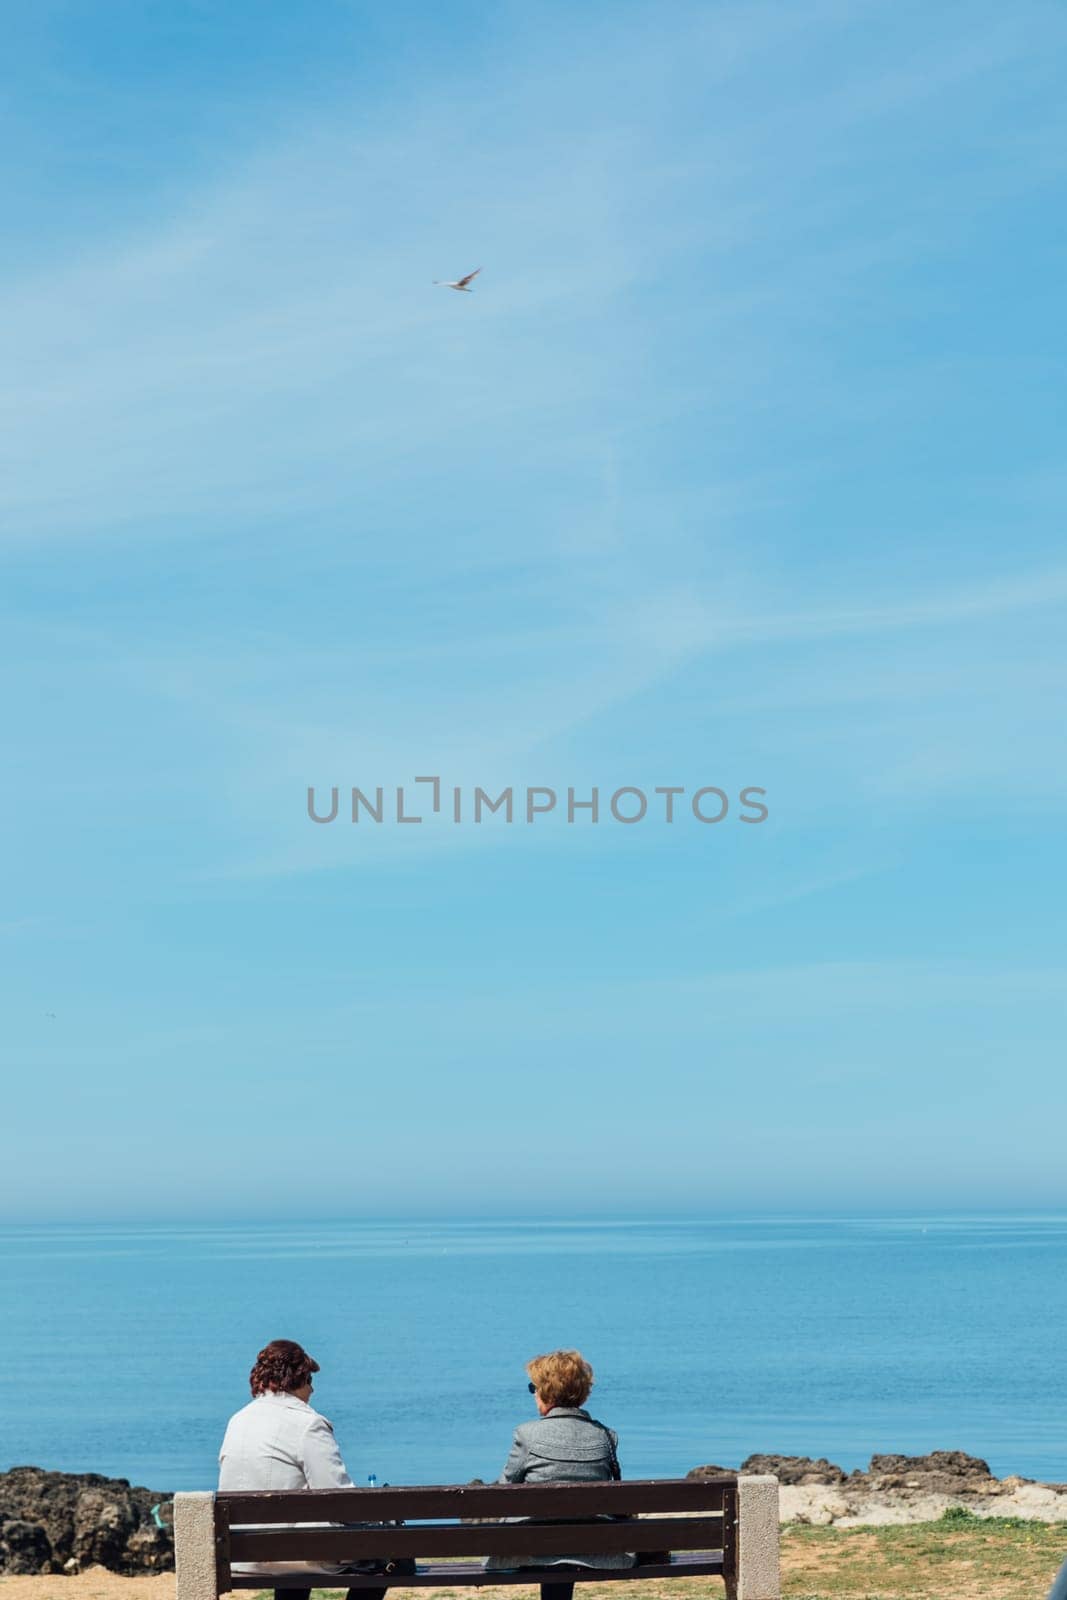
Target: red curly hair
[{"x": 281, "y": 1366}]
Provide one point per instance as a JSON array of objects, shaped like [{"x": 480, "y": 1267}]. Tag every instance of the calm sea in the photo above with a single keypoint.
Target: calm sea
[{"x": 125, "y": 1348}]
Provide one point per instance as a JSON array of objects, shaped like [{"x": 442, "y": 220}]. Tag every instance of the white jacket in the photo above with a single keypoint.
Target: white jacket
[{"x": 278, "y": 1442}]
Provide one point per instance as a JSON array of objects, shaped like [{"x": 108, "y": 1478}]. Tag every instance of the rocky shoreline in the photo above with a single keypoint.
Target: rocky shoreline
[
  {"x": 61, "y": 1522},
  {"x": 897, "y": 1489},
  {"x": 66, "y": 1523}
]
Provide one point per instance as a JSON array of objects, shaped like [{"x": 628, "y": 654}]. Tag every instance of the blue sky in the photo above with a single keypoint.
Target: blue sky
[{"x": 742, "y": 465}]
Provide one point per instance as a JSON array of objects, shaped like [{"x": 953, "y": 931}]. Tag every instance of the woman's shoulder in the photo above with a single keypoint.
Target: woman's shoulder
[
  {"x": 602, "y": 1427},
  {"x": 568, "y": 1421},
  {"x": 579, "y": 1415}
]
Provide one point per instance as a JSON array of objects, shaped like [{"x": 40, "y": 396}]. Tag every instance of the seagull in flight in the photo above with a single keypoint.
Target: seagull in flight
[{"x": 462, "y": 284}]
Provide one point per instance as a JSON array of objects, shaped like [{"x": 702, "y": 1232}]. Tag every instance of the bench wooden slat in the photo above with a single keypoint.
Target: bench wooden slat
[
  {"x": 473, "y": 1575},
  {"x": 478, "y": 1500},
  {"x": 551, "y": 1538}
]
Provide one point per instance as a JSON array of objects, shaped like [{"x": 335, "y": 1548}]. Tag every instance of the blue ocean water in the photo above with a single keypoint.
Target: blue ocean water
[{"x": 125, "y": 1348}]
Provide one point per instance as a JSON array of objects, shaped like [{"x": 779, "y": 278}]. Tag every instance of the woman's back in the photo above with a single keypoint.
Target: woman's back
[{"x": 566, "y": 1445}]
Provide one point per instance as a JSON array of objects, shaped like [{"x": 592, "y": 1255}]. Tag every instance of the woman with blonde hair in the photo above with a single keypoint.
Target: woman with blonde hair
[{"x": 563, "y": 1444}]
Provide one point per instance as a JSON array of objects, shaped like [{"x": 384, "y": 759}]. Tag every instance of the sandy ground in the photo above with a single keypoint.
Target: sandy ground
[{"x": 96, "y": 1584}]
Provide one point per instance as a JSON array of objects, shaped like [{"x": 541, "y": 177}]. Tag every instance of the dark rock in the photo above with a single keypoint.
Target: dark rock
[
  {"x": 85, "y": 1520},
  {"x": 103, "y": 1522},
  {"x": 24, "y": 1548},
  {"x": 150, "y": 1548},
  {"x": 937, "y": 1461},
  {"x": 795, "y": 1469},
  {"x": 711, "y": 1472},
  {"x": 940, "y": 1472}
]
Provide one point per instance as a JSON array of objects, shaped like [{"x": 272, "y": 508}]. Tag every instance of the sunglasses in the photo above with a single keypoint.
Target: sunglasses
[{"x": 532, "y": 1388}]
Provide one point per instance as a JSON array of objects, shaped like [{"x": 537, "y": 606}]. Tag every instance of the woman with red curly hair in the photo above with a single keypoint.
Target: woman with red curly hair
[{"x": 278, "y": 1441}]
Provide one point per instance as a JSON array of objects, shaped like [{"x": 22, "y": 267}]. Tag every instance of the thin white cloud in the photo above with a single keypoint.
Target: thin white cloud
[{"x": 684, "y": 622}]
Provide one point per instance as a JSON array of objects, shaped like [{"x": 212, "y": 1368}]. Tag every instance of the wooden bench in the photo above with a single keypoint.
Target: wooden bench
[{"x": 688, "y": 1528}]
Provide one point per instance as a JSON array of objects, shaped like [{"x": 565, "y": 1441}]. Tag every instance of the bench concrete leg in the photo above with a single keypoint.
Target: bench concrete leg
[
  {"x": 194, "y": 1546},
  {"x": 758, "y": 1576}
]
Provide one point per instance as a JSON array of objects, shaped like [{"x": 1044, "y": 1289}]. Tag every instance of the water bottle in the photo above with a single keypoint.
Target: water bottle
[{"x": 372, "y": 1480}]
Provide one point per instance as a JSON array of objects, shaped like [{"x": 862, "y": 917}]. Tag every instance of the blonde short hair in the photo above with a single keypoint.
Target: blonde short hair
[{"x": 562, "y": 1378}]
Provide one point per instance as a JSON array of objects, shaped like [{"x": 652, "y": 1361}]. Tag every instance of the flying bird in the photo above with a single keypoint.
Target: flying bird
[{"x": 462, "y": 284}]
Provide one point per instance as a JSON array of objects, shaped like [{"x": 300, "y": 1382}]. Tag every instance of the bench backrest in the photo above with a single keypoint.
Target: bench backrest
[
  {"x": 433, "y": 1528},
  {"x": 450, "y": 1521}
]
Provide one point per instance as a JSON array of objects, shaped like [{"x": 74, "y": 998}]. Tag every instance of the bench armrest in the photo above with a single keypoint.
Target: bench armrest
[{"x": 758, "y": 1576}]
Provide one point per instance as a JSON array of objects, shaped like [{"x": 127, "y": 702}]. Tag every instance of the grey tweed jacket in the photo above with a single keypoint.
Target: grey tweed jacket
[{"x": 566, "y": 1446}]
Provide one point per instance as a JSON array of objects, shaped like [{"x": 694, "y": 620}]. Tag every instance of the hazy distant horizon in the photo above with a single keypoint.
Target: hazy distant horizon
[{"x": 649, "y": 1218}]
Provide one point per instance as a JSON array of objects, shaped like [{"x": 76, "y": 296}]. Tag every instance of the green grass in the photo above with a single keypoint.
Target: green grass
[{"x": 960, "y": 1557}]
